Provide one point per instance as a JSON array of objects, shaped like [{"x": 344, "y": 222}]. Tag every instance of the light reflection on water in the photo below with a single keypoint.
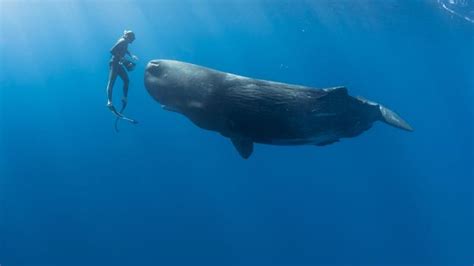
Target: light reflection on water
[{"x": 463, "y": 9}]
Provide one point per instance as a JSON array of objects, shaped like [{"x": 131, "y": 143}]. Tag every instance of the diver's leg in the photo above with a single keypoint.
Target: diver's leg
[
  {"x": 123, "y": 75},
  {"x": 110, "y": 84}
]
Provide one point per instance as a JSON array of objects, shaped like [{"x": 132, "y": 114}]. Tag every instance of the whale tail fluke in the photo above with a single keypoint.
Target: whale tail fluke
[
  {"x": 386, "y": 115},
  {"x": 390, "y": 117}
]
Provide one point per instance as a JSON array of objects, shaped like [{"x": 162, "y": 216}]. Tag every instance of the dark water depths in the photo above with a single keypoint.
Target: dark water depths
[{"x": 73, "y": 192}]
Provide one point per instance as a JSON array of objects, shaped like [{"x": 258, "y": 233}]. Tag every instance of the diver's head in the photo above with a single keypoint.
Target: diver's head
[{"x": 129, "y": 35}]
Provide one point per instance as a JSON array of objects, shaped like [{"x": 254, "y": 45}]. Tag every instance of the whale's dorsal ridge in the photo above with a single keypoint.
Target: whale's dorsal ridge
[{"x": 340, "y": 90}]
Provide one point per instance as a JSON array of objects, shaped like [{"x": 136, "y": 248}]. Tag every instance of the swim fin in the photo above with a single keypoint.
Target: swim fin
[{"x": 121, "y": 116}]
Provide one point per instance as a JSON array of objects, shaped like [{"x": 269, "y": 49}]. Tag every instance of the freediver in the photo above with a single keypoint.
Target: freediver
[{"x": 119, "y": 65}]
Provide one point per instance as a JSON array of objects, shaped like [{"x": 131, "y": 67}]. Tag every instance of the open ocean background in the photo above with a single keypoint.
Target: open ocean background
[{"x": 164, "y": 192}]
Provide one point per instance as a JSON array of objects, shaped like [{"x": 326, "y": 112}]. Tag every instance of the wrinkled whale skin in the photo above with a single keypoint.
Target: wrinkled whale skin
[{"x": 248, "y": 110}]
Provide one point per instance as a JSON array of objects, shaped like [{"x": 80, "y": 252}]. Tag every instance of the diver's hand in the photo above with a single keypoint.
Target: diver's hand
[{"x": 134, "y": 57}]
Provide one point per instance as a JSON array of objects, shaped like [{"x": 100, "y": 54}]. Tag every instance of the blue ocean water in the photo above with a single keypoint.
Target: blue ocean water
[{"x": 164, "y": 192}]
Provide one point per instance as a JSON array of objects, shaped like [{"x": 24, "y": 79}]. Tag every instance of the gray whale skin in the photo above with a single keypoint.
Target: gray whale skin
[{"x": 248, "y": 110}]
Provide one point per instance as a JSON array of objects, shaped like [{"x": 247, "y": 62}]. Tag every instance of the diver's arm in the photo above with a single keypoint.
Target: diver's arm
[{"x": 134, "y": 57}]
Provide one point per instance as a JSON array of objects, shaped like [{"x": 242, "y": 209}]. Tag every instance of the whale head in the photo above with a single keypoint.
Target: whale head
[{"x": 165, "y": 82}]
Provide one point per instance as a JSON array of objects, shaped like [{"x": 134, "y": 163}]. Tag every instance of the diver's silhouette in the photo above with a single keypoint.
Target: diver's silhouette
[{"x": 117, "y": 66}]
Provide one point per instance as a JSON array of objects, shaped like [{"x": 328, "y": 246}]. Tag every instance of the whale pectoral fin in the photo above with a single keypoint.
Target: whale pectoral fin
[
  {"x": 327, "y": 142},
  {"x": 243, "y": 145},
  {"x": 170, "y": 108}
]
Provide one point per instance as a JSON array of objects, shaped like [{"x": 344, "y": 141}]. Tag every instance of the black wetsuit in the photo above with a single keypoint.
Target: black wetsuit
[{"x": 118, "y": 51}]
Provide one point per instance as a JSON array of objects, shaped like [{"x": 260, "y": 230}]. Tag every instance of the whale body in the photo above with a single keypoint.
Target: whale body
[{"x": 249, "y": 111}]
